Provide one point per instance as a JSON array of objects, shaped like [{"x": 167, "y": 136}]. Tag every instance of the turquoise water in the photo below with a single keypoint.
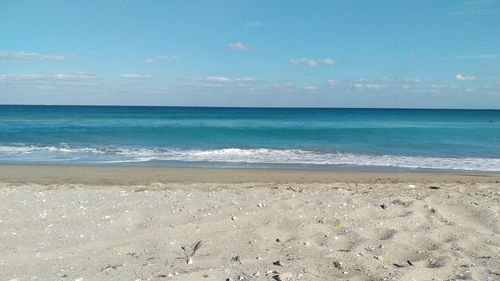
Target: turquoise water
[{"x": 189, "y": 136}]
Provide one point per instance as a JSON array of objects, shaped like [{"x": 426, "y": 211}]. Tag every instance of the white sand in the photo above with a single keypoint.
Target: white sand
[{"x": 317, "y": 231}]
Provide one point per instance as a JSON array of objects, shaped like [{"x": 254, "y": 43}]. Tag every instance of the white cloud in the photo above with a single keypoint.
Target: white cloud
[
  {"x": 460, "y": 77},
  {"x": 332, "y": 82},
  {"x": 241, "y": 90},
  {"x": 365, "y": 84},
  {"x": 304, "y": 61},
  {"x": 76, "y": 80},
  {"x": 19, "y": 56},
  {"x": 160, "y": 58},
  {"x": 74, "y": 76},
  {"x": 246, "y": 79},
  {"x": 312, "y": 62},
  {"x": 218, "y": 79},
  {"x": 310, "y": 88},
  {"x": 385, "y": 86},
  {"x": 238, "y": 46},
  {"x": 7, "y": 77},
  {"x": 224, "y": 79},
  {"x": 328, "y": 61},
  {"x": 414, "y": 80},
  {"x": 135, "y": 76},
  {"x": 77, "y": 76},
  {"x": 375, "y": 86}
]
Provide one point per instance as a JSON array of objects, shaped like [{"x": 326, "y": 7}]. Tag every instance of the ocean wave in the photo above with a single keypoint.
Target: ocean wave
[{"x": 28, "y": 153}]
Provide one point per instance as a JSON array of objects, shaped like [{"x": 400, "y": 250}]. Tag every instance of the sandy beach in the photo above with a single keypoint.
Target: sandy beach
[
  {"x": 99, "y": 223},
  {"x": 254, "y": 140}
]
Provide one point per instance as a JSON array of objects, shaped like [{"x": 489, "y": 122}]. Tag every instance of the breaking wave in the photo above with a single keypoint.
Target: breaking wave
[{"x": 70, "y": 154}]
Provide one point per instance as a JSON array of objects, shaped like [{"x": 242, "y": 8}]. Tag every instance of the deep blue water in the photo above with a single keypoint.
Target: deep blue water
[{"x": 407, "y": 138}]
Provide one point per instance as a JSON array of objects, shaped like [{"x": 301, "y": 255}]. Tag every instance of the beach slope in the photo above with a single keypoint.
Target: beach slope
[{"x": 77, "y": 223}]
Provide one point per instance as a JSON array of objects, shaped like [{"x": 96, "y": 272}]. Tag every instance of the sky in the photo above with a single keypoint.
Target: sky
[{"x": 265, "y": 53}]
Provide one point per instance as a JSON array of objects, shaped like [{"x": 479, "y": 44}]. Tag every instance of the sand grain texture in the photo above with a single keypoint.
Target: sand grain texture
[{"x": 261, "y": 231}]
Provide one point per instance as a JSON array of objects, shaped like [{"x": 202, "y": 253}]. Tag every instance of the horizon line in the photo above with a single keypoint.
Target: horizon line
[{"x": 243, "y": 107}]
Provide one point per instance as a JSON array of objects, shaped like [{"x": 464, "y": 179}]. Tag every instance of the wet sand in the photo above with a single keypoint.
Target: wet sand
[{"x": 64, "y": 174}]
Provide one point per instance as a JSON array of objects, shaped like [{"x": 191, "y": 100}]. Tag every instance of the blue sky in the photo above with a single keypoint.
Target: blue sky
[{"x": 443, "y": 54}]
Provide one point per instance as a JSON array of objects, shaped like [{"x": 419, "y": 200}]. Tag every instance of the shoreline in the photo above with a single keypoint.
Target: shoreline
[{"x": 105, "y": 175}]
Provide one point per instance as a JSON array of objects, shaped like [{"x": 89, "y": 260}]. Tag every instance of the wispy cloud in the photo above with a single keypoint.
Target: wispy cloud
[
  {"x": 75, "y": 80},
  {"x": 412, "y": 88},
  {"x": 328, "y": 61},
  {"x": 386, "y": 84},
  {"x": 332, "y": 82},
  {"x": 460, "y": 77},
  {"x": 310, "y": 88},
  {"x": 238, "y": 46},
  {"x": 368, "y": 86},
  {"x": 76, "y": 76},
  {"x": 466, "y": 57},
  {"x": 225, "y": 79},
  {"x": 304, "y": 61},
  {"x": 135, "y": 76},
  {"x": 216, "y": 79},
  {"x": 160, "y": 58},
  {"x": 21, "y": 56},
  {"x": 413, "y": 80},
  {"x": 312, "y": 62}
]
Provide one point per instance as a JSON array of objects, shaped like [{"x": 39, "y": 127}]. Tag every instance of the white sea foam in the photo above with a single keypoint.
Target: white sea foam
[{"x": 236, "y": 155}]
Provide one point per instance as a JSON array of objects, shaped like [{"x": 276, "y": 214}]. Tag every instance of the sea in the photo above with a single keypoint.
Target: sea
[{"x": 215, "y": 137}]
